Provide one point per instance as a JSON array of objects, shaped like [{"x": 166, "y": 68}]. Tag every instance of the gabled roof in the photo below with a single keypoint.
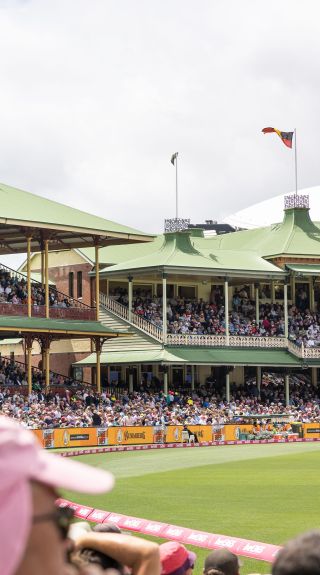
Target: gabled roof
[{"x": 22, "y": 213}]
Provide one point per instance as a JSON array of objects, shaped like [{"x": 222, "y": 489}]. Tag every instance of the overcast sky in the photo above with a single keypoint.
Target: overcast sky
[{"x": 97, "y": 94}]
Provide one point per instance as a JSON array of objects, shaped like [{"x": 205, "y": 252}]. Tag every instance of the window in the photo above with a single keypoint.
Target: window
[
  {"x": 77, "y": 373},
  {"x": 79, "y": 284},
  {"x": 187, "y": 292},
  {"x": 71, "y": 284}
]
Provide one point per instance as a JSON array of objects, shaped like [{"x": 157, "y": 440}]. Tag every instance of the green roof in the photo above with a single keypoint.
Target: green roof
[
  {"x": 114, "y": 254},
  {"x": 304, "y": 269},
  {"x": 200, "y": 356},
  {"x": 19, "y": 325},
  {"x": 72, "y": 227},
  {"x": 184, "y": 252},
  {"x": 295, "y": 235},
  {"x": 236, "y": 356}
]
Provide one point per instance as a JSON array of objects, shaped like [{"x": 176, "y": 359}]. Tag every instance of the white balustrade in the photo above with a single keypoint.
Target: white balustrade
[
  {"x": 311, "y": 353},
  {"x": 295, "y": 349},
  {"x": 122, "y": 311},
  {"x": 220, "y": 341}
]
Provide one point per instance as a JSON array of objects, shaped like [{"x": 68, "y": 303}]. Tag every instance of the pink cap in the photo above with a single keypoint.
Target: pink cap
[
  {"x": 22, "y": 459},
  {"x": 175, "y": 558}
]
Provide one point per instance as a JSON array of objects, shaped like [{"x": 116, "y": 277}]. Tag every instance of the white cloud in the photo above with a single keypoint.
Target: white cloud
[{"x": 96, "y": 96}]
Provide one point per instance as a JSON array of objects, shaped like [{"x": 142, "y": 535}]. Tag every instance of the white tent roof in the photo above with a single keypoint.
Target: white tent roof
[{"x": 271, "y": 211}]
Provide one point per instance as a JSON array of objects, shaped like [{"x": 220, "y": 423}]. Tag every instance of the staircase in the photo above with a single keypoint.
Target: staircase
[{"x": 138, "y": 341}]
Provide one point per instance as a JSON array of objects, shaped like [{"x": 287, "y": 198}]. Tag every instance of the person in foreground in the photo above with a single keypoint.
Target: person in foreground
[
  {"x": 33, "y": 531},
  {"x": 176, "y": 559},
  {"x": 221, "y": 562},
  {"x": 300, "y": 556},
  {"x": 112, "y": 550}
]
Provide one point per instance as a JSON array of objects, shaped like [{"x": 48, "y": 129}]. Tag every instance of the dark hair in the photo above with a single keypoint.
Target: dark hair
[
  {"x": 106, "y": 527},
  {"x": 301, "y": 556},
  {"x": 91, "y": 557}
]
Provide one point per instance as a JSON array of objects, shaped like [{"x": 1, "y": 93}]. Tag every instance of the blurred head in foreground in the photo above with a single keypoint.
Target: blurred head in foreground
[
  {"x": 33, "y": 530},
  {"x": 221, "y": 562},
  {"x": 300, "y": 556}
]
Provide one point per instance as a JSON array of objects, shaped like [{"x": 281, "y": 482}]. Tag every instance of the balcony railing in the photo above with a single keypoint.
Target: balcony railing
[
  {"x": 19, "y": 309},
  {"x": 303, "y": 351},
  {"x": 222, "y": 341},
  {"x": 122, "y": 311}
]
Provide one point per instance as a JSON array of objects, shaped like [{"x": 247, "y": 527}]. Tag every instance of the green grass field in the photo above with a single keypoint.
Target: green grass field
[{"x": 268, "y": 493}]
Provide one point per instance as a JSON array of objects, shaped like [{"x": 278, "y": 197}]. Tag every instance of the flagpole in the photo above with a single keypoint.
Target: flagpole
[
  {"x": 295, "y": 160},
  {"x": 177, "y": 186}
]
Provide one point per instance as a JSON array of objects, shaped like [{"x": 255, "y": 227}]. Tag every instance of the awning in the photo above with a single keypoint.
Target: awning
[
  {"x": 196, "y": 356},
  {"x": 160, "y": 356},
  {"x": 304, "y": 269},
  {"x": 229, "y": 356}
]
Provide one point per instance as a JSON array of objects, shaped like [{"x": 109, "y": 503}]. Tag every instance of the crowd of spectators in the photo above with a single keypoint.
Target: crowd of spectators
[
  {"x": 197, "y": 317},
  {"x": 82, "y": 407},
  {"x": 13, "y": 290},
  {"x": 39, "y": 534}
]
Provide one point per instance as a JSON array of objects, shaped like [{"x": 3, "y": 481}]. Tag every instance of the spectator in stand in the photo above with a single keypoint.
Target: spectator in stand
[{"x": 185, "y": 316}]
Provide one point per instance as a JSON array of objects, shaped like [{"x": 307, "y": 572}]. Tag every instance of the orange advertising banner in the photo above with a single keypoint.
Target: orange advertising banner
[
  {"x": 130, "y": 435},
  {"x": 95, "y": 436},
  {"x": 311, "y": 430},
  {"x": 74, "y": 437}
]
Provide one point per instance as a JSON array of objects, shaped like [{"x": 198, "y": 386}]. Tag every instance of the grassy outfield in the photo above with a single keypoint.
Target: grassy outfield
[{"x": 268, "y": 493}]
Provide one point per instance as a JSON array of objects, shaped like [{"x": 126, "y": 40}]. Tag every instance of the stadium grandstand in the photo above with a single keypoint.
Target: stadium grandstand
[{"x": 215, "y": 319}]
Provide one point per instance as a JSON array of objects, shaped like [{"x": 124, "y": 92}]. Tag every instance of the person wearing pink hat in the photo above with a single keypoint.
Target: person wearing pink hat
[
  {"x": 33, "y": 531},
  {"x": 176, "y": 559}
]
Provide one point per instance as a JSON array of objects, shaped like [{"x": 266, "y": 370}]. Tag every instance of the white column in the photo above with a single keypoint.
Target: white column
[
  {"x": 165, "y": 382},
  {"x": 130, "y": 294},
  {"x": 259, "y": 379},
  {"x": 226, "y": 309},
  {"x": 228, "y": 387},
  {"x": 164, "y": 307},
  {"x": 286, "y": 385},
  {"x": 285, "y": 309},
  {"x": 257, "y": 303}
]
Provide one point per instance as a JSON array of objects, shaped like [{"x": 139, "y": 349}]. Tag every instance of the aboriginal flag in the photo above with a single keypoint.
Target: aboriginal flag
[{"x": 286, "y": 137}]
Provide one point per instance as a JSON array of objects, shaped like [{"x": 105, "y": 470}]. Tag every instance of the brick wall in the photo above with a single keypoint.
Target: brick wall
[{"x": 60, "y": 277}]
